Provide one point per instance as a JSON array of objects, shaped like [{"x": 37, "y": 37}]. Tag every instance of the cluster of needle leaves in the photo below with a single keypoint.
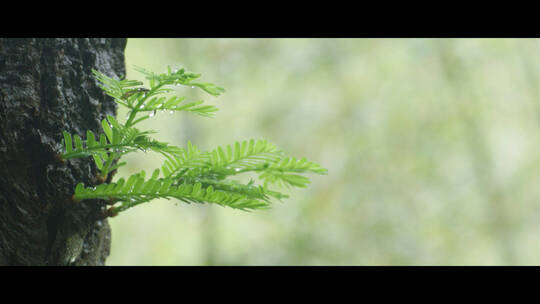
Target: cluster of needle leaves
[{"x": 187, "y": 174}]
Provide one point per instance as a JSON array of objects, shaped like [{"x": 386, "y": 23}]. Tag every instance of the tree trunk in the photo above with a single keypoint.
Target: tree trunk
[{"x": 46, "y": 86}]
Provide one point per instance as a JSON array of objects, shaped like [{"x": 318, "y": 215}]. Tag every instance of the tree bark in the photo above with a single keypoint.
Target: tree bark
[{"x": 46, "y": 86}]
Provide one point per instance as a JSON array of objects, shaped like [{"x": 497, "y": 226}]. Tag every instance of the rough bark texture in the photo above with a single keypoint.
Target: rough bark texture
[{"x": 46, "y": 86}]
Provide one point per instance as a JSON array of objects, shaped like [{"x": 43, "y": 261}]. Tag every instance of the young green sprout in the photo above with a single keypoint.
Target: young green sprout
[{"x": 187, "y": 174}]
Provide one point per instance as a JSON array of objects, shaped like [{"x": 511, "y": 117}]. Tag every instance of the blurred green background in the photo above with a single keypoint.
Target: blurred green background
[{"x": 431, "y": 147}]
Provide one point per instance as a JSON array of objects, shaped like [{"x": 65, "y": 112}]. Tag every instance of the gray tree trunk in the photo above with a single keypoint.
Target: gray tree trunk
[{"x": 46, "y": 86}]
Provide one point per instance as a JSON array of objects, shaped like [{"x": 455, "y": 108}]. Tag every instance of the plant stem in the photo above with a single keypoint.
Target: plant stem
[{"x": 135, "y": 110}]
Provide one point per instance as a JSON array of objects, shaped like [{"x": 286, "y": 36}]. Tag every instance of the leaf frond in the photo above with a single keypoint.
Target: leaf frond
[
  {"x": 136, "y": 190},
  {"x": 187, "y": 174}
]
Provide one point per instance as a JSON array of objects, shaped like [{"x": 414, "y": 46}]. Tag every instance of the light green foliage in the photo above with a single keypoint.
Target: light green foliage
[
  {"x": 116, "y": 141},
  {"x": 189, "y": 175}
]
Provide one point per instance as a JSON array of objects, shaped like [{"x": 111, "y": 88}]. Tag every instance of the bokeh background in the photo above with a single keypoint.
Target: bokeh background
[{"x": 431, "y": 146}]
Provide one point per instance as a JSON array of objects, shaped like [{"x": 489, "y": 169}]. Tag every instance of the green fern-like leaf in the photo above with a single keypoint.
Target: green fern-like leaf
[
  {"x": 228, "y": 160},
  {"x": 279, "y": 172},
  {"x": 115, "y": 142},
  {"x": 136, "y": 190},
  {"x": 189, "y": 158},
  {"x": 188, "y": 174}
]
